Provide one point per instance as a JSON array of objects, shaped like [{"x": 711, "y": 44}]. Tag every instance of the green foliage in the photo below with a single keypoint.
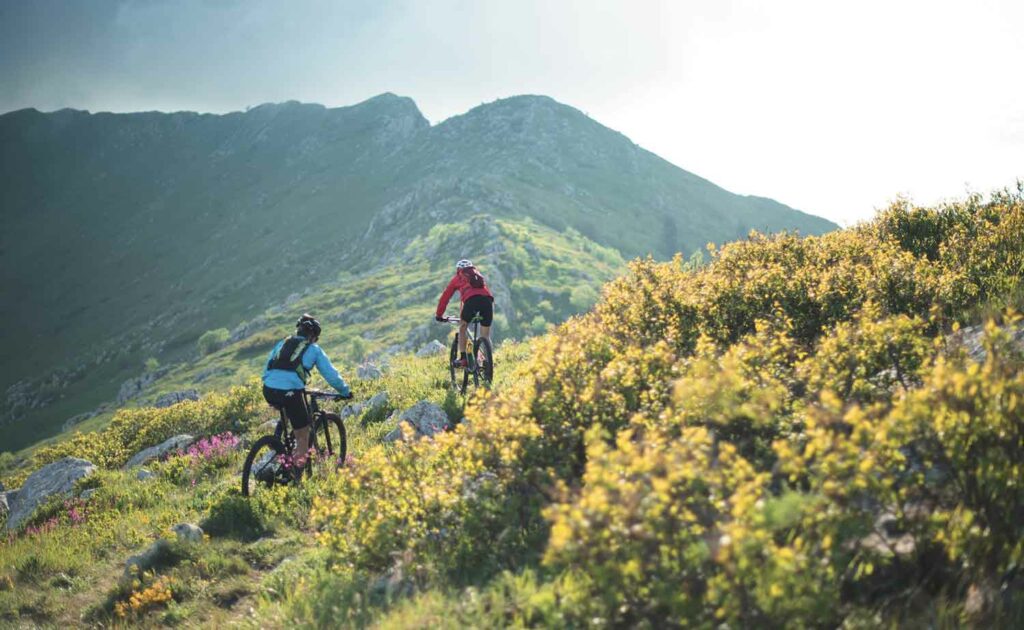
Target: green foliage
[
  {"x": 132, "y": 430},
  {"x": 356, "y": 350},
  {"x": 151, "y": 364},
  {"x": 583, "y": 297},
  {"x": 789, "y": 435},
  {"x": 236, "y": 517},
  {"x": 211, "y": 340}
]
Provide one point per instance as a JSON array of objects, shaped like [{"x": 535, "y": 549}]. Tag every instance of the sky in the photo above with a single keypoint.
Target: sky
[{"x": 835, "y": 108}]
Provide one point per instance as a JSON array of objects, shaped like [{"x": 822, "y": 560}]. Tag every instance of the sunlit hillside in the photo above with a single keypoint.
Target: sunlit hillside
[{"x": 800, "y": 432}]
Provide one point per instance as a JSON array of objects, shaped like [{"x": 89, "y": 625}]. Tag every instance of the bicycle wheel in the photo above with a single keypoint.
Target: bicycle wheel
[
  {"x": 485, "y": 360},
  {"x": 453, "y": 372},
  {"x": 330, "y": 441},
  {"x": 262, "y": 468}
]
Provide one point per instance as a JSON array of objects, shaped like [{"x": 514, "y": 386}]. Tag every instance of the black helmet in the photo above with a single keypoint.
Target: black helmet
[{"x": 308, "y": 326}]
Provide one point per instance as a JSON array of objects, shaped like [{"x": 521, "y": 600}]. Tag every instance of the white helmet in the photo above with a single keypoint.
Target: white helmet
[{"x": 463, "y": 264}]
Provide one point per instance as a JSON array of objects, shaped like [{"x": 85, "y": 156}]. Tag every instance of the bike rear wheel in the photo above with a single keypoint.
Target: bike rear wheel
[
  {"x": 485, "y": 360},
  {"x": 263, "y": 467}
]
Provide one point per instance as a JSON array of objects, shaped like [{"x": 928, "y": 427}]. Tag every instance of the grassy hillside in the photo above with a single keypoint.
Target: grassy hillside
[
  {"x": 539, "y": 276},
  {"x": 160, "y": 227},
  {"x": 803, "y": 432}
]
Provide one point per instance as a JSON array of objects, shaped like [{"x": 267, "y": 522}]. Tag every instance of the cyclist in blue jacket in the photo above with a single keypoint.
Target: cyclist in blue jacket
[{"x": 286, "y": 374}]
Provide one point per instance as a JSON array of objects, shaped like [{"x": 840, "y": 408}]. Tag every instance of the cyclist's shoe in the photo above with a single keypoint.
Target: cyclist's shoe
[{"x": 459, "y": 364}]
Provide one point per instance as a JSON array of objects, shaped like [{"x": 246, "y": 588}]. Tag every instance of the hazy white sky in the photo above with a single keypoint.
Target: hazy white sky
[{"x": 831, "y": 107}]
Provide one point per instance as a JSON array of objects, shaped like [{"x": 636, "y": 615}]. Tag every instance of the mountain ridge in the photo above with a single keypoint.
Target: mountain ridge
[{"x": 169, "y": 225}]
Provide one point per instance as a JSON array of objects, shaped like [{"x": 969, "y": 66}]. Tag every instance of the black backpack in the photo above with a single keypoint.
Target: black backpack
[{"x": 476, "y": 280}]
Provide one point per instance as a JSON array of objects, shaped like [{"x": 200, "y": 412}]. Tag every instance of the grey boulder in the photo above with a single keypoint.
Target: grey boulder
[
  {"x": 56, "y": 478},
  {"x": 187, "y": 532},
  {"x": 369, "y": 372},
  {"x": 431, "y": 348},
  {"x": 424, "y": 419},
  {"x": 169, "y": 445},
  {"x": 377, "y": 401},
  {"x": 133, "y": 387},
  {"x": 173, "y": 398}
]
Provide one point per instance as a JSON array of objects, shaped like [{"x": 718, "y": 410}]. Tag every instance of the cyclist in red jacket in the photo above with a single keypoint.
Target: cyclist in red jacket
[{"x": 476, "y": 301}]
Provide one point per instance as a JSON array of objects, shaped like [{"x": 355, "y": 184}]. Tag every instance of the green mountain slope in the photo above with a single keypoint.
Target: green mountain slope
[
  {"x": 539, "y": 277},
  {"x": 126, "y": 236}
]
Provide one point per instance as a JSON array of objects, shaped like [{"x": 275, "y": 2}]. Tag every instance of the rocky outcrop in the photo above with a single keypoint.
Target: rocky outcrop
[
  {"x": 173, "y": 398},
  {"x": 246, "y": 329},
  {"x": 178, "y": 442},
  {"x": 134, "y": 387},
  {"x": 377, "y": 402},
  {"x": 78, "y": 419},
  {"x": 424, "y": 419},
  {"x": 187, "y": 532},
  {"x": 369, "y": 372},
  {"x": 211, "y": 372},
  {"x": 972, "y": 339},
  {"x": 56, "y": 478},
  {"x": 432, "y": 348}
]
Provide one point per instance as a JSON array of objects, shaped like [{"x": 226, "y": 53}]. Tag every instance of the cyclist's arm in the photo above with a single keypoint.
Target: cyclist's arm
[
  {"x": 330, "y": 374},
  {"x": 442, "y": 304}
]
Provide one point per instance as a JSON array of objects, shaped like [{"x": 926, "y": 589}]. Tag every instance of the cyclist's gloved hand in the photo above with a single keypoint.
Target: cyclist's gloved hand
[
  {"x": 347, "y": 396},
  {"x": 439, "y": 318}
]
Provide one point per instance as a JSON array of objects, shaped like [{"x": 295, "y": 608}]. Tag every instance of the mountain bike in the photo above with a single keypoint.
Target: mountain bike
[
  {"x": 269, "y": 462},
  {"x": 481, "y": 359}
]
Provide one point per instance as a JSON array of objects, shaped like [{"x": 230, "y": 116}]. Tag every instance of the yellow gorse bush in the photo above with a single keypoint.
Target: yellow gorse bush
[
  {"x": 787, "y": 436},
  {"x": 156, "y": 595},
  {"x": 447, "y": 505}
]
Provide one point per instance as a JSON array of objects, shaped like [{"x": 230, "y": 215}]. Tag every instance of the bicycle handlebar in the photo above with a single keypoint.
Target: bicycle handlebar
[{"x": 316, "y": 393}]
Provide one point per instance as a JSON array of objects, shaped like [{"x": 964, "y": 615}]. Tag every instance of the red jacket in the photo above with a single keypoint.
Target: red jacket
[{"x": 461, "y": 284}]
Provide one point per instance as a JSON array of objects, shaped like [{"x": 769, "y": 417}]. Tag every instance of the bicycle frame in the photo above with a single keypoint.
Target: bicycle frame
[
  {"x": 472, "y": 331},
  {"x": 284, "y": 432}
]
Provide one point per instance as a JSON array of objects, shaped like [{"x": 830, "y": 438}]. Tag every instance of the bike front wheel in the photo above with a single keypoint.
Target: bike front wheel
[
  {"x": 264, "y": 466},
  {"x": 330, "y": 440},
  {"x": 460, "y": 379}
]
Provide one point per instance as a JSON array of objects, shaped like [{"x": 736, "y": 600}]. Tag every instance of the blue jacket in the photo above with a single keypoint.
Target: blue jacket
[{"x": 285, "y": 379}]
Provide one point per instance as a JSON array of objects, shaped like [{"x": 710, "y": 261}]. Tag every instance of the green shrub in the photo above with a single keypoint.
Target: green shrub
[
  {"x": 211, "y": 340},
  {"x": 234, "y": 516}
]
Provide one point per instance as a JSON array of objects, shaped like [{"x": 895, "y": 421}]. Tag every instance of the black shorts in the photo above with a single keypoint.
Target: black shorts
[
  {"x": 482, "y": 305},
  {"x": 293, "y": 403}
]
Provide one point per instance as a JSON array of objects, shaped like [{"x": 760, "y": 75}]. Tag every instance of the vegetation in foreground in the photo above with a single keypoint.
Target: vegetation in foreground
[{"x": 803, "y": 432}]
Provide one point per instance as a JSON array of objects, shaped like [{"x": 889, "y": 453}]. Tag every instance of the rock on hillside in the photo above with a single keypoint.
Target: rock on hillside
[
  {"x": 169, "y": 445},
  {"x": 424, "y": 419},
  {"x": 56, "y": 478}
]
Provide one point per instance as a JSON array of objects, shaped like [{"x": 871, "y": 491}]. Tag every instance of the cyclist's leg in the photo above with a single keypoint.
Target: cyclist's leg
[
  {"x": 463, "y": 338},
  {"x": 463, "y": 333},
  {"x": 298, "y": 415},
  {"x": 486, "y": 318}
]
